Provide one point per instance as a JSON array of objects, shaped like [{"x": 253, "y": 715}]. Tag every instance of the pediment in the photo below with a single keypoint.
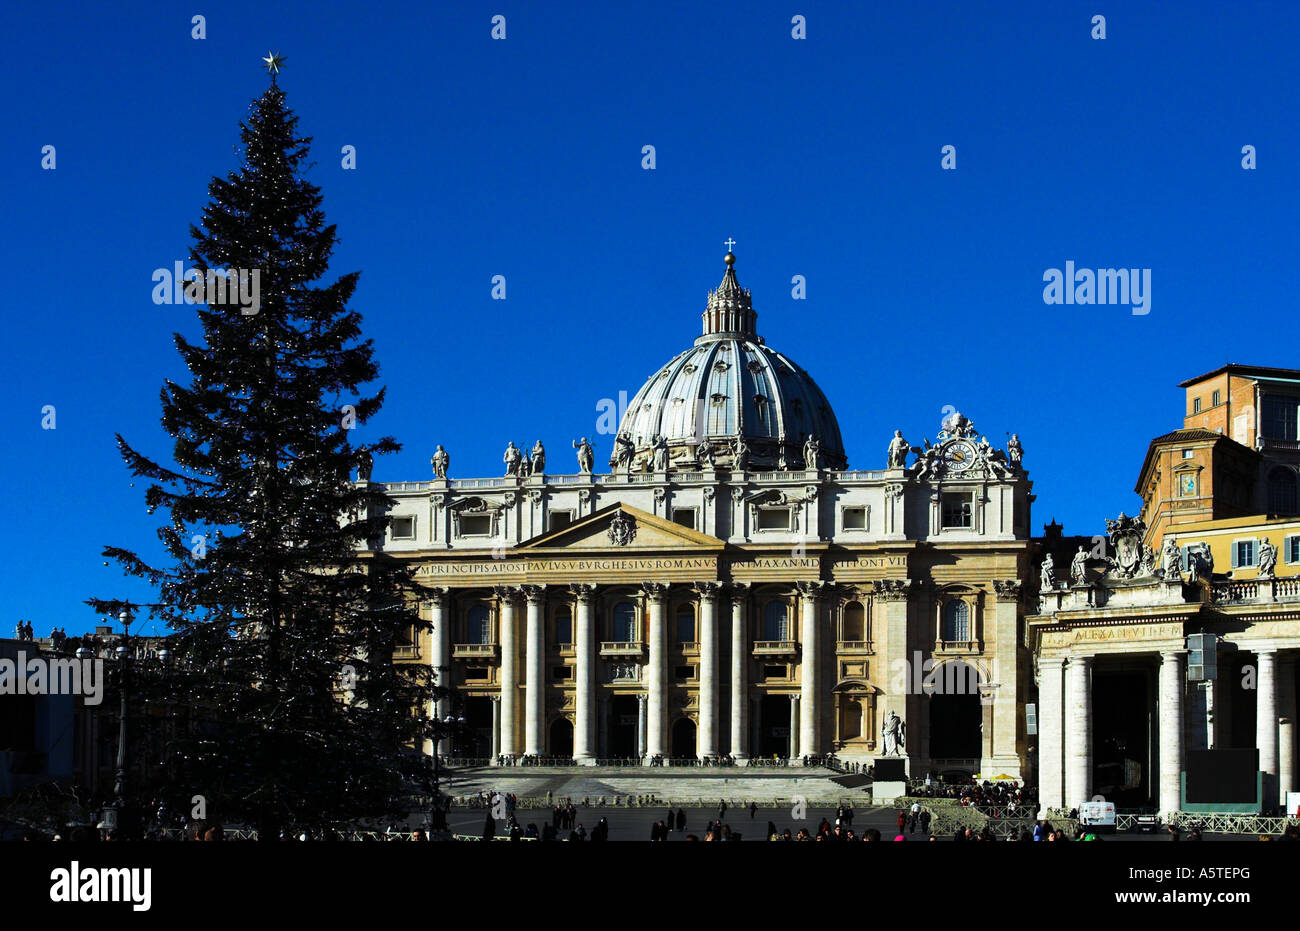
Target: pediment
[{"x": 639, "y": 530}]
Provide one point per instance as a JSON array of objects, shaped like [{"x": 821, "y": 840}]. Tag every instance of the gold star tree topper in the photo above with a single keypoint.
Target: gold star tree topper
[{"x": 273, "y": 62}]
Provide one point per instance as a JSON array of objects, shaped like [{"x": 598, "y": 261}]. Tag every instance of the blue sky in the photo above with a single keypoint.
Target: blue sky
[{"x": 523, "y": 158}]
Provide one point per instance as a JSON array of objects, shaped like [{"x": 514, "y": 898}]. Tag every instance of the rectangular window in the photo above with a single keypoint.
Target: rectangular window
[
  {"x": 1188, "y": 453},
  {"x": 1196, "y": 405},
  {"x": 684, "y": 673},
  {"x": 1279, "y": 420},
  {"x": 855, "y": 518},
  {"x": 1243, "y": 554},
  {"x": 564, "y": 630},
  {"x": 775, "y": 672},
  {"x": 684, "y": 516},
  {"x": 476, "y": 673},
  {"x": 1291, "y": 549},
  {"x": 403, "y": 528},
  {"x": 773, "y": 518},
  {"x": 561, "y": 673},
  {"x": 1216, "y": 398},
  {"x": 558, "y": 520},
  {"x": 956, "y": 510},
  {"x": 475, "y": 525}
]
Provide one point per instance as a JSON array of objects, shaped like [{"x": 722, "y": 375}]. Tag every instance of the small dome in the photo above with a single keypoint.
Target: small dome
[{"x": 729, "y": 385}]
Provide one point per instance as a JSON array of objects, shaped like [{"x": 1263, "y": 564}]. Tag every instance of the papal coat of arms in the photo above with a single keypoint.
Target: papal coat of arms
[
  {"x": 622, "y": 529},
  {"x": 1126, "y": 537}
]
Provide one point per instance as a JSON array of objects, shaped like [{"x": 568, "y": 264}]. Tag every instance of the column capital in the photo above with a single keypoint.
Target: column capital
[
  {"x": 813, "y": 589},
  {"x": 642, "y": 699},
  {"x": 1007, "y": 589},
  {"x": 655, "y": 591},
  {"x": 494, "y": 698},
  {"x": 1057, "y": 661},
  {"x": 583, "y": 591},
  {"x": 891, "y": 589},
  {"x": 1167, "y": 656},
  {"x": 709, "y": 590},
  {"x": 1081, "y": 659},
  {"x": 436, "y": 594},
  {"x": 536, "y": 594},
  {"x": 508, "y": 592}
]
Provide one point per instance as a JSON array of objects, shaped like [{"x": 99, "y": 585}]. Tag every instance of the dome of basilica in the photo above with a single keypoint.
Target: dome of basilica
[{"x": 729, "y": 393}]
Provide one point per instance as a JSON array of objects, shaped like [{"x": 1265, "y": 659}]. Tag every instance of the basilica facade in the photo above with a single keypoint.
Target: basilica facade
[{"x": 730, "y": 587}]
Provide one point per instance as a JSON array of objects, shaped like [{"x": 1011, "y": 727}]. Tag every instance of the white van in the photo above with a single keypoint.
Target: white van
[{"x": 1098, "y": 815}]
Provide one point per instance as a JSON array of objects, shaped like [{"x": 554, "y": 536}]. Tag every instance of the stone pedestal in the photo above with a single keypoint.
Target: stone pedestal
[{"x": 885, "y": 792}]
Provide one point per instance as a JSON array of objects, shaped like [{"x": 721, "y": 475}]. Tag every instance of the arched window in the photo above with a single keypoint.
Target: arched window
[
  {"x": 478, "y": 627},
  {"x": 1282, "y": 498},
  {"x": 855, "y": 627},
  {"x": 563, "y": 626},
  {"x": 776, "y": 621},
  {"x": 624, "y": 622},
  {"x": 956, "y": 621},
  {"x": 686, "y": 624}
]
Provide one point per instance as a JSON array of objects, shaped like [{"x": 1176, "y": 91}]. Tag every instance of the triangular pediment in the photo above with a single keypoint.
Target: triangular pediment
[{"x": 598, "y": 531}]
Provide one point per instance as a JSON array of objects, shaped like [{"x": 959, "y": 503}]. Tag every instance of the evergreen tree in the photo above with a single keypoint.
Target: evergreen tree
[{"x": 285, "y": 624}]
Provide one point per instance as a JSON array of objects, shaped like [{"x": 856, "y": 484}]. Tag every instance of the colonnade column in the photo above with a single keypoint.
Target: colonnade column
[
  {"x": 1171, "y": 731},
  {"x": 795, "y": 736},
  {"x": 809, "y": 663},
  {"x": 1051, "y": 705},
  {"x": 584, "y": 717},
  {"x": 657, "y": 670},
  {"x": 496, "y": 726},
  {"x": 1285, "y": 733},
  {"x": 535, "y": 672},
  {"x": 708, "y": 742},
  {"x": 440, "y": 659},
  {"x": 1078, "y": 734},
  {"x": 1266, "y": 717},
  {"x": 893, "y": 594},
  {"x": 642, "y": 701},
  {"x": 509, "y": 670},
  {"x": 739, "y": 747}
]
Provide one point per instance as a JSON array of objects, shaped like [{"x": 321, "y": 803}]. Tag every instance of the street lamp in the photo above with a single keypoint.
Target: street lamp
[
  {"x": 114, "y": 814},
  {"x": 438, "y": 820}
]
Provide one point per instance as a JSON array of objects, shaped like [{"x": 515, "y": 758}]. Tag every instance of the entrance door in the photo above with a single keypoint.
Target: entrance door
[
  {"x": 622, "y": 726},
  {"x": 774, "y": 726},
  {"x": 561, "y": 742},
  {"x": 683, "y": 746}
]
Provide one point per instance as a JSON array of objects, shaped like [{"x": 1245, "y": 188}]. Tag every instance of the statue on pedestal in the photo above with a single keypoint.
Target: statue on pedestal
[
  {"x": 1047, "y": 574},
  {"x": 365, "y": 463},
  {"x": 623, "y": 450},
  {"x": 1172, "y": 571},
  {"x": 1015, "y": 451},
  {"x": 660, "y": 454},
  {"x": 1079, "y": 567},
  {"x": 586, "y": 455},
  {"x": 539, "y": 458},
  {"x": 512, "y": 458},
  {"x": 1267, "y": 559},
  {"x": 812, "y": 453},
  {"x": 705, "y": 453},
  {"x": 440, "y": 462},
  {"x": 740, "y": 459},
  {"x": 893, "y": 735},
  {"x": 898, "y": 450}
]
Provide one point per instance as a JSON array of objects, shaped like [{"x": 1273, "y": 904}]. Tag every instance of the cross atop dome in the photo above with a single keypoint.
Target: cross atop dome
[{"x": 730, "y": 310}]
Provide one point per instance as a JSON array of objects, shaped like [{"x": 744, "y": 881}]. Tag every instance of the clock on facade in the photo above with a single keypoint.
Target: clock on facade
[{"x": 959, "y": 456}]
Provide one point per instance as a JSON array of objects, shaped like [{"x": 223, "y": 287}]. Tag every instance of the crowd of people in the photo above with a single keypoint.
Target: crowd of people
[{"x": 996, "y": 795}]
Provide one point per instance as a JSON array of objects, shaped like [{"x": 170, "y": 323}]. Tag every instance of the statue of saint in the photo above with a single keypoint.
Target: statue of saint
[
  {"x": 740, "y": 459},
  {"x": 898, "y": 449},
  {"x": 623, "y": 450},
  {"x": 512, "y": 459},
  {"x": 440, "y": 462},
  {"x": 365, "y": 463},
  {"x": 893, "y": 735},
  {"x": 705, "y": 453},
  {"x": 660, "y": 454},
  {"x": 1079, "y": 567},
  {"x": 586, "y": 455},
  {"x": 1148, "y": 564},
  {"x": 1267, "y": 559},
  {"x": 1173, "y": 561},
  {"x": 539, "y": 458},
  {"x": 1047, "y": 574},
  {"x": 811, "y": 453},
  {"x": 1015, "y": 452}
]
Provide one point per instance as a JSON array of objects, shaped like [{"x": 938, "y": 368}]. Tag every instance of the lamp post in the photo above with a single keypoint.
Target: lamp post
[
  {"x": 114, "y": 814},
  {"x": 438, "y": 819}
]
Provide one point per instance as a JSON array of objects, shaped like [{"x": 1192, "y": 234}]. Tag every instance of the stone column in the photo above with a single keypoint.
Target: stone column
[
  {"x": 1051, "y": 756},
  {"x": 1266, "y": 718},
  {"x": 755, "y": 722},
  {"x": 535, "y": 672},
  {"x": 602, "y": 714},
  {"x": 496, "y": 727},
  {"x": 509, "y": 595},
  {"x": 1005, "y": 688},
  {"x": 795, "y": 721},
  {"x": 809, "y": 669},
  {"x": 1286, "y": 781},
  {"x": 657, "y": 670},
  {"x": 1078, "y": 734},
  {"x": 708, "y": 742},
  {"x": 740, "y": 747},
  {"x": 440, "y": 658},
  {"x": 642, "y": 702},
  {"x": 585, "y": 644},
  {"x": 1171, "y": 731}
]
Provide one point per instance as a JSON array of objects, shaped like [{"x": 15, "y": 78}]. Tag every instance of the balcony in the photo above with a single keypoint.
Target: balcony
[
  {"x": 474, "y": 651},
  {"x": 855, "y": 646},
  {"x": 1257, "y": 591},
  {"x": 958, "y": 646},
  {"x": 1272, "y": 442},
  {"x": 612, "y": 648},
  {"x": 406, "y": 651},
  {"x": 776, "y": 647},
  {"x": 687, "y": 646}
]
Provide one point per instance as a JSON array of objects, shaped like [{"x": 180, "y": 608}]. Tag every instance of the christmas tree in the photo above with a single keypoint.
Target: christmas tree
[{"x": 285, "y": 622}]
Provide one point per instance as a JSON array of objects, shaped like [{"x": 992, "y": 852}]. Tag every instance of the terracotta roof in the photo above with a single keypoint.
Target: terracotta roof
[
  {"x": 1257, "y": 371},
  {"x": 1189, "y": 433}
]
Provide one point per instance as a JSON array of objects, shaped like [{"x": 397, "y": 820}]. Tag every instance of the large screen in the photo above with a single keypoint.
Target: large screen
[{"x": 1222, "y": 776}]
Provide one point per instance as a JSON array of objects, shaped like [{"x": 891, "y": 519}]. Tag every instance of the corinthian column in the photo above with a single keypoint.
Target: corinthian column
[
  {"x": 708, "y": 743},
  {"x": 535, "y": 673},
  {"x": 509, "y": 670},
  {"x": 657, "y": 670},
  {"x": 440, "y": 658},
  {"x": 739, "y": 747},
  {"x": 586, "y": 672},
  {"x": 1051, "y": 777},
  {"x": 1266, "y": 718},
  {"x": 809, "y": 669},
  {"x": 1078, "y": 735}
]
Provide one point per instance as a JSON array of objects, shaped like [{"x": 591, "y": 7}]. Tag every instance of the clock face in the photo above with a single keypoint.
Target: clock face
[{"x": 959, "y": 456}]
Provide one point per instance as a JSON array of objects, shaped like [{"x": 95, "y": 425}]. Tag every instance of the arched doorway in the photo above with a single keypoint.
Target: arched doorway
[
  {"x": 850, "y": 718},
  {"x": 561, "y": 742},
  {"x": 623, "y": 710},
  {"x": 475, "y": 739},
  {"x": 683, "y": 744},
  {"x": 774, "y": 726},
  {"x": 956, "y": 717}
]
